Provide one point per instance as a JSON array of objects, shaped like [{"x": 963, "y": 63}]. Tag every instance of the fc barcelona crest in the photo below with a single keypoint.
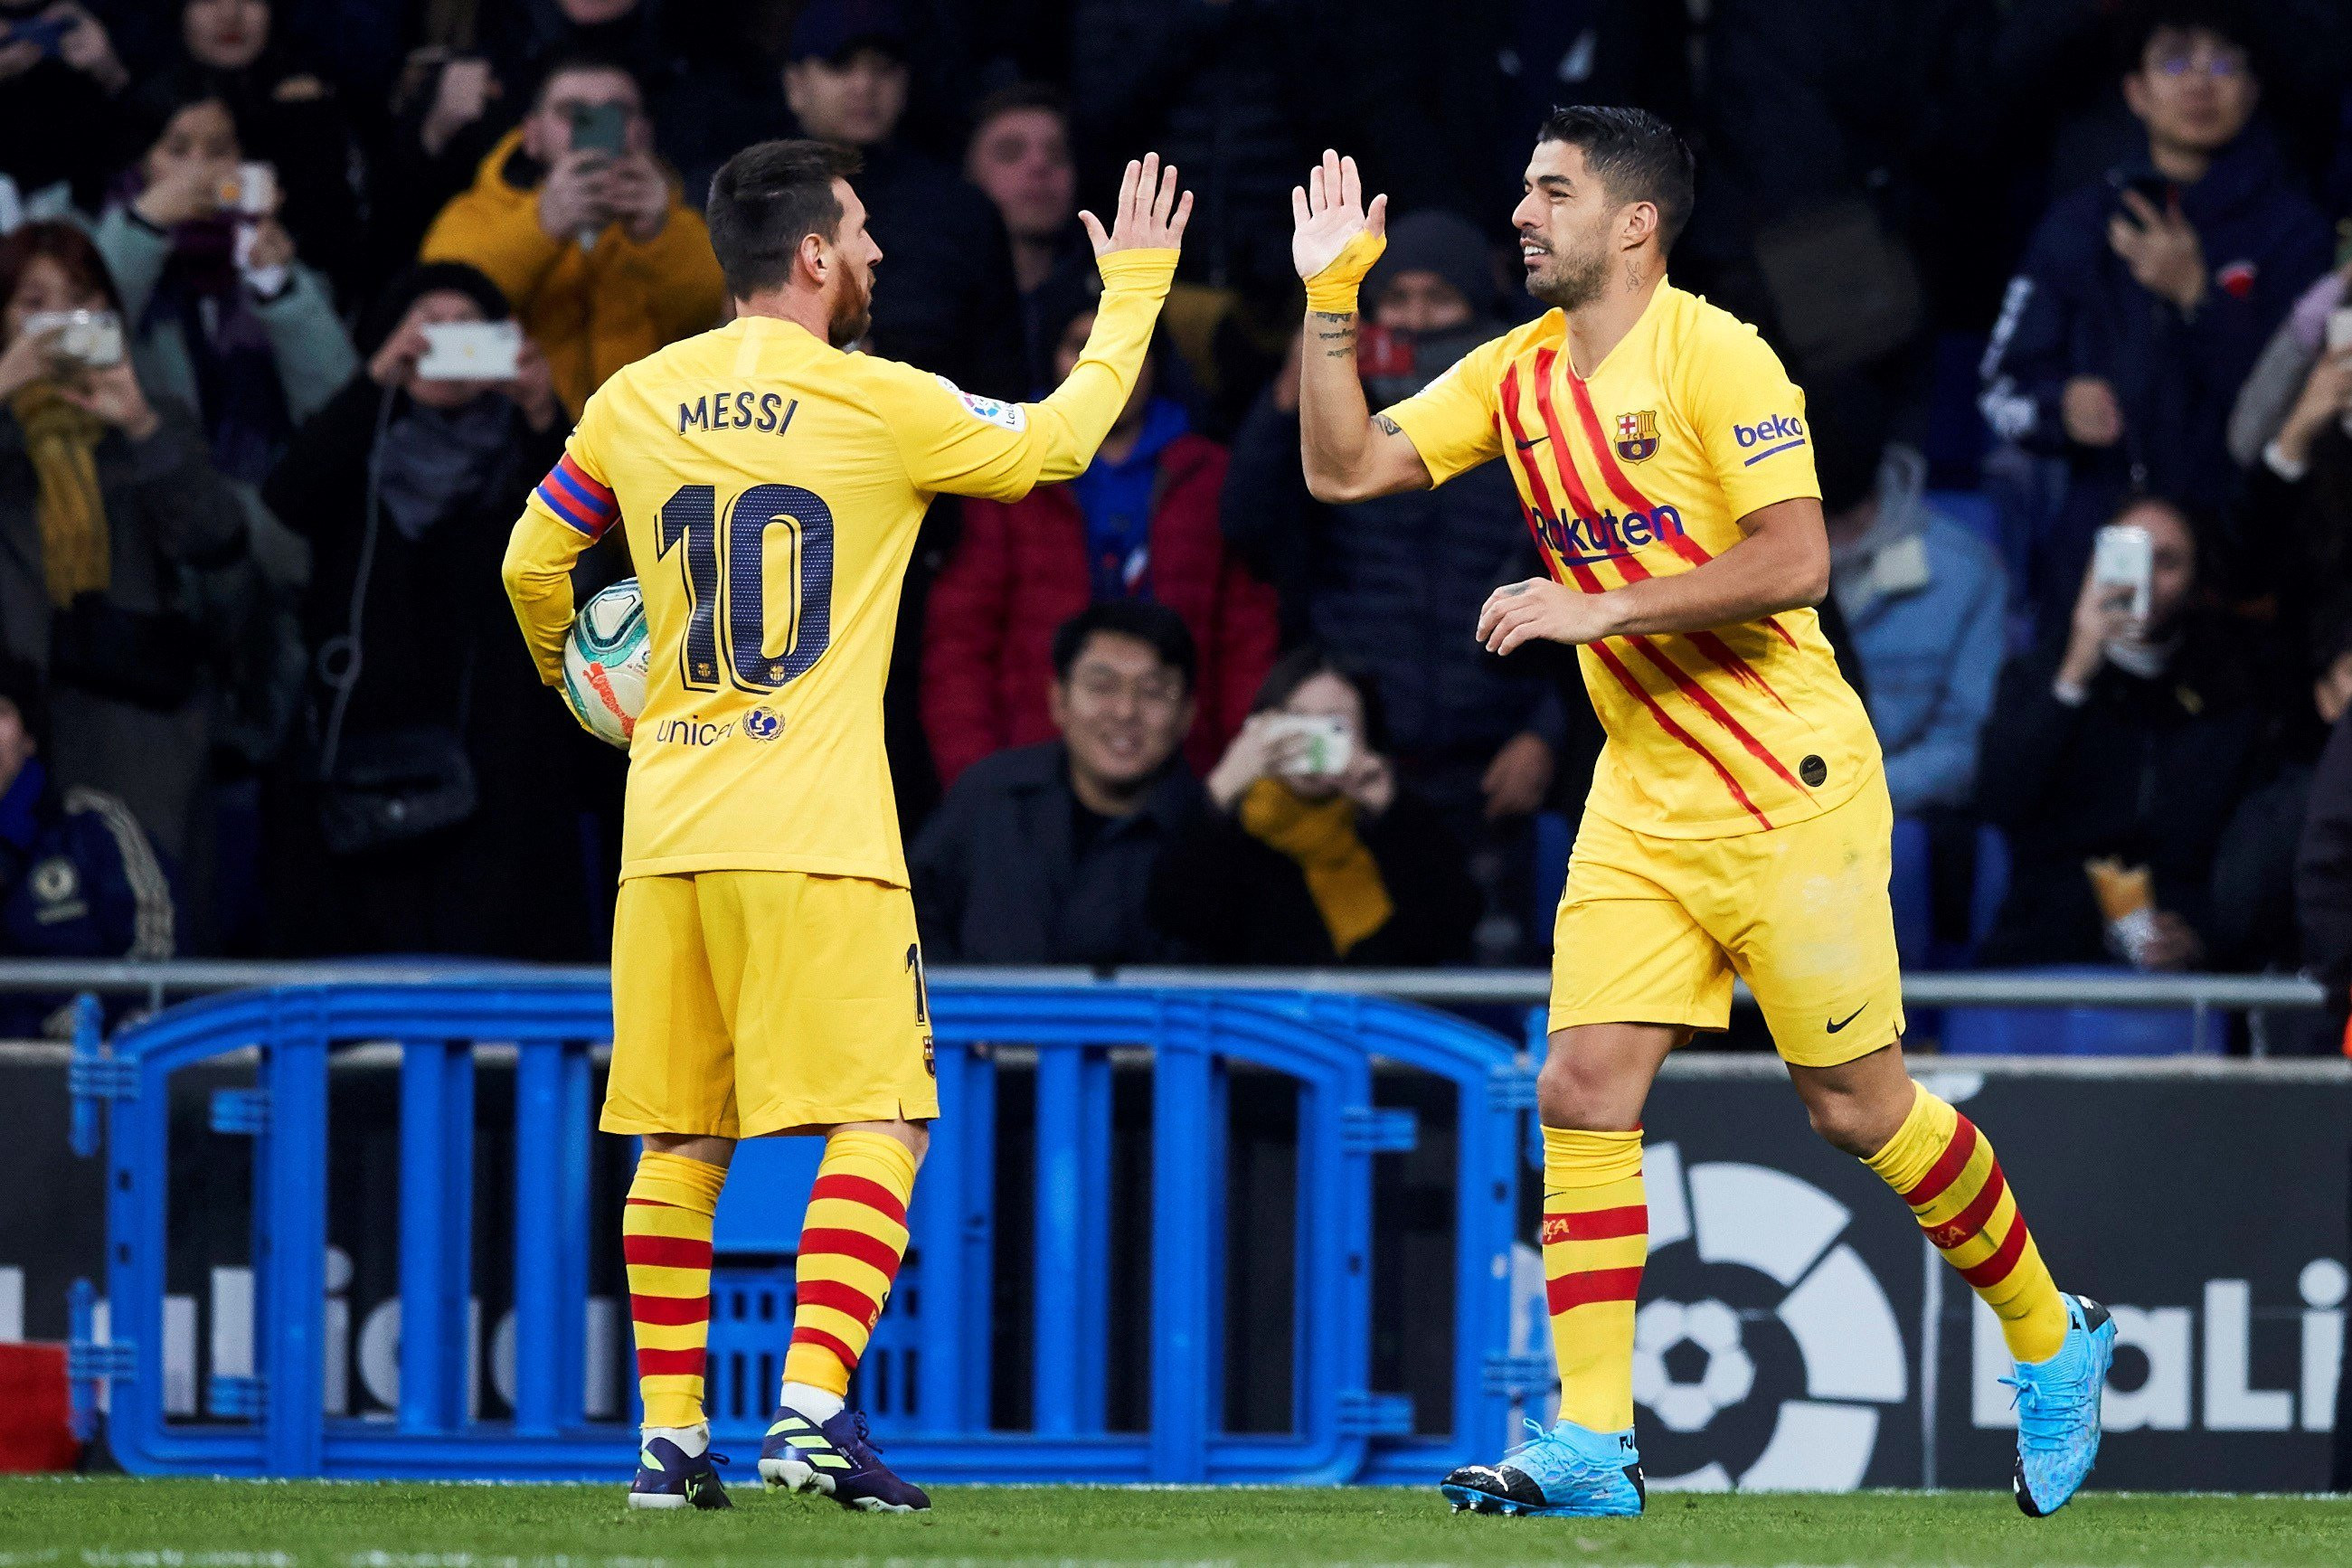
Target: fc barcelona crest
[{"x": 1637, "y": 435}]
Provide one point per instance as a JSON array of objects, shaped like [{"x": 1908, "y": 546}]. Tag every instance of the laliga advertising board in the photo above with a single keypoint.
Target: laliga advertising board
[{"x": 1795, "y": 1334}]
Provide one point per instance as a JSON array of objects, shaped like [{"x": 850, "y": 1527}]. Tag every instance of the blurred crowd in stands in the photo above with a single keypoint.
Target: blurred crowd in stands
[{"x": 2043, "y": 266}]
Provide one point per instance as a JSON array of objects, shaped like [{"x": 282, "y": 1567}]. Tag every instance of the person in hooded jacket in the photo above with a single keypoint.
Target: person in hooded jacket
[
  {"x": 2145, "y": 298},
  {"x": 434, "y": 804}
]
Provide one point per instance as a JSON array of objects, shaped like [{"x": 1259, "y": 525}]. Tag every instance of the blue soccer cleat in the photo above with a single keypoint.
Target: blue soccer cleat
[
  {"x": 669, "y": 1477},
  {"x": 1568, "y": 1473},
  {"x": 2058, "y": 1410},
  {"x": 834, "y": 1459}
]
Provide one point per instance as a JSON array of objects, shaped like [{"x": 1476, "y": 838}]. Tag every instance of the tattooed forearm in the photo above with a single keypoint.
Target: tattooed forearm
[
  {"x": 1337, "y": 332},
  {"x": 1386, "y": 426}
]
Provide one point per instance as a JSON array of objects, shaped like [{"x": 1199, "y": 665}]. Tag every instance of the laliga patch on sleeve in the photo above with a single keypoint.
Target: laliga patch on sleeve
[{"x": 1011, "y": 416}]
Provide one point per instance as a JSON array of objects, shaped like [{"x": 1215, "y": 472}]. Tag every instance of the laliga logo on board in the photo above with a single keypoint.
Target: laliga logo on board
[{"x": 1765, "y": 1345}]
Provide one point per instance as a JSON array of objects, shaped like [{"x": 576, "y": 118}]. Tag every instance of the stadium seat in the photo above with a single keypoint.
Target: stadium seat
[
  {"x": 2072, "y": 1031},
  {"x": 1909, "y": 891},
  {"x": 1553, "y": 840}
]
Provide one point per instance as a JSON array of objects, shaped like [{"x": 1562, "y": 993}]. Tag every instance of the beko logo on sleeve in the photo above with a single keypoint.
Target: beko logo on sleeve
[{"x": 1775, "y": 432}]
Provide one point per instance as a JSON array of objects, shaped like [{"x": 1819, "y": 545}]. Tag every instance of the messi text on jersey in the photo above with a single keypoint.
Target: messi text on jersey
[{"x": 762, "y": 411}]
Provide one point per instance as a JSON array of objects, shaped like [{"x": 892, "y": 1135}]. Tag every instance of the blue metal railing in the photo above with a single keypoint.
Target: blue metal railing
[{"x": 1340, "y": 1428}]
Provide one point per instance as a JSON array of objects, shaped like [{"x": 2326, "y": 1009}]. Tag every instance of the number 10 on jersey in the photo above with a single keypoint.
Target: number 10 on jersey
[{"x": 779, "y": 526}]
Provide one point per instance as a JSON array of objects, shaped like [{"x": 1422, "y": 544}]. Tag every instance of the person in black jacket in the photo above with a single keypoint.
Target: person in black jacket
[
  {"x": 952, "y": 307},
  {"x": 2131, "y": 745},
  {"x": 435, "y": 802},
  {"x": 1044, "y": 854},
  {"x": 2145, "y": 298},
  {"x": 1314, "y": 855}
]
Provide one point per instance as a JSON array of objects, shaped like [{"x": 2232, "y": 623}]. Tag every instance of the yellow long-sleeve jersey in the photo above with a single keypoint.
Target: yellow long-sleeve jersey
[{"x": 772, "y": 487}]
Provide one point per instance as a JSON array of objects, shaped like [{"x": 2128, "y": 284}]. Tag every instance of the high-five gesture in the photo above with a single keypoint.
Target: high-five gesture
[
  {"x": 1150, "y": 215},
  {"x": 1329, "y": 211}
]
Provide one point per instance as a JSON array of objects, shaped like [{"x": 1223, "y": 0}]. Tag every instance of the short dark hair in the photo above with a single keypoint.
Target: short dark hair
[
  {"x": 1020, "y": 95},
  {"x": 583, "y": 62},
  {"x": 768, "y": 198},
  {"x": 1303, "y": 664},
  {"x": 1636, "y": 155},
  {"x": 2140, "y": 25},
  {"x": 1157, "y": 627}
]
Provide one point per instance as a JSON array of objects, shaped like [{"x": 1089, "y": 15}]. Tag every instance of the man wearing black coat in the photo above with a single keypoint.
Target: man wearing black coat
[
  {"x": 2145, "y": 298},
  {"x": 951, "y": 306},
  {"x": 1045, "y": 854}
]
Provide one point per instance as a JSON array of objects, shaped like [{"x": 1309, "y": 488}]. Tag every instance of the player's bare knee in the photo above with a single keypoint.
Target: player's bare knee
[{"x": 1577, "y": 1092}]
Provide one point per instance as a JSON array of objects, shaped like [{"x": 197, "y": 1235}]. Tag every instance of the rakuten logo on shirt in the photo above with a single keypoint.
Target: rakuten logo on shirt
[{"x": 1774, "y": 434}]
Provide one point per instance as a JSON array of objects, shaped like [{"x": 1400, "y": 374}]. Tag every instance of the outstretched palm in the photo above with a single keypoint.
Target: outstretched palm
[
  {"x": 1329, "y": 211},
  {"x": 1150, "y": 215}
]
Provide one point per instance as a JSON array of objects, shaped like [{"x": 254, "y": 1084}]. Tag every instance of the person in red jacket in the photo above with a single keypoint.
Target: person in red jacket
[{"x": 1141, "y": 523}]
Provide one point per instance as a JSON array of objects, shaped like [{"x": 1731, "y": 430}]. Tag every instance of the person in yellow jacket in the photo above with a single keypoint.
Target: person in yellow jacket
[{"x": 602, "y": 260}]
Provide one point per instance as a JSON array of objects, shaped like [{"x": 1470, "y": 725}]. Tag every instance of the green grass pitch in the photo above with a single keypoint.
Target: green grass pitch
[{"x": 121, "y": 1522}]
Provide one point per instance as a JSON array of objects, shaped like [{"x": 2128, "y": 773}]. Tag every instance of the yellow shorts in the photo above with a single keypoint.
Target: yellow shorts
[
  {"x": 1652, "y": 930},
  {"x": 751, "y": 1002}
]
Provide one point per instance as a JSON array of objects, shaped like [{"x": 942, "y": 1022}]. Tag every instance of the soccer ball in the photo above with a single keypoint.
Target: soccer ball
[
  {"x": 1725, "y": 1377},
  {"x": 604, "y": 660}
]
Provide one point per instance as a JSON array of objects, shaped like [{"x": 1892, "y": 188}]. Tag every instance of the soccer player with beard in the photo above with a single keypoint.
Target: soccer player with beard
[
  {"x": 766, "y": 976},
  {"x": 1739, "y": 819}
]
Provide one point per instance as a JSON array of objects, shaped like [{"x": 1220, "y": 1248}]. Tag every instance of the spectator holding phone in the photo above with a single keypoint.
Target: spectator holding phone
[
  {"x": 106, "y": 498},
  {"x": 288, "y": 117},
  {"x": 583, "y": 228},
  {"x": 406, "y": 485},
  {"x": 1312, "y": 853},
  {"x": 2145, "y": 298},
  {"x": 223, "y": 313},
  {"x": 59, "y": 80},
  {"x": 2114, "y": 763}
]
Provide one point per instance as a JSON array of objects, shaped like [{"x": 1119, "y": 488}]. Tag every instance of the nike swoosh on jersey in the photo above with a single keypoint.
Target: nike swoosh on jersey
[
  {"x": 1849, "y": 1018},
  {"x": 1524, "y": 446}
]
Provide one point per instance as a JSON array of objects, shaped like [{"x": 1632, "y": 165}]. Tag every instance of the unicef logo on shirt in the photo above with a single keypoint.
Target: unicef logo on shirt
[{"x": 763, "y": 724}]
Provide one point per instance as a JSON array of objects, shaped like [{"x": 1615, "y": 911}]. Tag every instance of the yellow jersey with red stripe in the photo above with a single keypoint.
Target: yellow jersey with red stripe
[
  {"x": 771, "y": 488},
  {"x": 1643, "y": 469}
]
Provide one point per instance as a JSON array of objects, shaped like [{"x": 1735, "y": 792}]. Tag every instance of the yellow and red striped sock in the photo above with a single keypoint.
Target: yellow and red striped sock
[
  {"x": 1946, "y": 1171},
  {"x": 851, "y": 1243},
  {"x": 1596, "y": 1236},
  {"x": 666, "y": 1243}
]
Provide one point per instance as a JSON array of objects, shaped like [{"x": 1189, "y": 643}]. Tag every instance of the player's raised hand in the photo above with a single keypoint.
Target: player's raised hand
[
  {"x": 1150, "y": 215},
  {"x": 1329, "y": 211}
]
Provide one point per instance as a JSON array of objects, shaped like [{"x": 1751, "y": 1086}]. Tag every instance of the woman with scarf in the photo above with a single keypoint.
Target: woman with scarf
[
  {"x": 433, "y": 802},
  {"x": 109, "y": 502},
  {"x": 221, "y": 311},
  {"x": 1309, "y": 852}
]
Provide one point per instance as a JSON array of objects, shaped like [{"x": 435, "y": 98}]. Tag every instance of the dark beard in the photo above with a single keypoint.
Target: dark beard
[
  {"x": 1579, "y": 282},
  {"x": 851, "y": 318}
]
